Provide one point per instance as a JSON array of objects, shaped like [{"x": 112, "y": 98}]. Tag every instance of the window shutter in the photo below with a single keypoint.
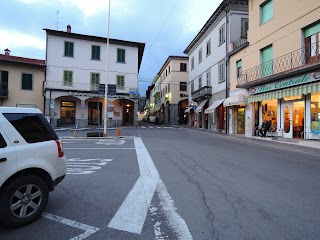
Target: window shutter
[
  {"x": 266, "y": 11},
  {"x": 71, "y": 49},
  {"x": 93, "y": 54},
  {"x": 65, "y": 77},
  {"x": 312, "y": 30},
  {"x": 98, "y": 52}
]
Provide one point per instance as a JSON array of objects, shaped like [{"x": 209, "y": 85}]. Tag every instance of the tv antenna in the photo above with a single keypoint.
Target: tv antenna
[{"x": 58, "y": 20}]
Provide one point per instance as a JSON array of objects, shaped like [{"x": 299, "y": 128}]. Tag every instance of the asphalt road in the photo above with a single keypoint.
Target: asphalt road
[{"x": 202, "y": 186}]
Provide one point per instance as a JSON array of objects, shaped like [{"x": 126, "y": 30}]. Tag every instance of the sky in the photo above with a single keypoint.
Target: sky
[{"x": 166, "y": 26}]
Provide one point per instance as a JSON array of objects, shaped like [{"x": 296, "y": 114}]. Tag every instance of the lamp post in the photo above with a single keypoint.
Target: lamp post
[{"x": 106, "y": 86}]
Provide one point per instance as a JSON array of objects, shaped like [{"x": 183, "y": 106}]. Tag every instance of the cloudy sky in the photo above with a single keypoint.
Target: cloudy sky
[{"x": 165, "y": 26}]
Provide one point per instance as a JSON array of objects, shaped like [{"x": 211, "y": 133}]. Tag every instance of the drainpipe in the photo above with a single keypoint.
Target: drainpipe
[
  {"x": 227, "y": 66},
  {"x": 45, "y": 79}
]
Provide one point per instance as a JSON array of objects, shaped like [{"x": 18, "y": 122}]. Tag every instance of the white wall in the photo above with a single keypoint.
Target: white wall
[
  {"x": 218, "y": 53},
  {"x": 82, "y": 65}
]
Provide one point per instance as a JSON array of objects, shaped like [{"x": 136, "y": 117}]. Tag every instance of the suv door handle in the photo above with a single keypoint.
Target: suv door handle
[
  {"x": 3, "y": 159},
  {"x": 16, "y": 141}
]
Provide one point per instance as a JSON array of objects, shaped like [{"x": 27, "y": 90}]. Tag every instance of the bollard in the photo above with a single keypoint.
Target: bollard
[{"x": 118, "y": 132}]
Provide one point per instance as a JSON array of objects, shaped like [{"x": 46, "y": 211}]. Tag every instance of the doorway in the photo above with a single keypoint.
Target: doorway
[
  {"x": 241, "y": 120},
  {"x": 94, "y": 114},
  {"x": 293, "y": 119}
]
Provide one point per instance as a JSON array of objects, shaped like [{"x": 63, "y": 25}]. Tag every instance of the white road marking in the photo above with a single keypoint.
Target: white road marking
[
  {"x": 158, "y": 127},
  {"x": 143, "y": 127},
  {"x": 88, "y": 230},
  {"x": 151, "y": 127},
  {"x": 102, "y": 148},
  {"x": 132, "y": 213},
  {"x": 85, "y": 166},
  {"x": 111, "y": 142}
]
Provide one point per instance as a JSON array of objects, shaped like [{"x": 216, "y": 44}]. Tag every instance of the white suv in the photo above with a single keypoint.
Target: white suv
[{"x": 32, "y": 163}]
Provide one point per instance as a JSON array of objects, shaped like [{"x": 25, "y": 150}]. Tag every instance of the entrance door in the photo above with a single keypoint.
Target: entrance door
[
  {"x": 287, "y": 120},
  {"x": 241, "y": 120}
]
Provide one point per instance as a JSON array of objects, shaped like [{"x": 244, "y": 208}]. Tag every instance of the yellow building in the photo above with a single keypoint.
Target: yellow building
[
  {"x": 21, "y": 81},
  {"x": 280, "y": 68}
]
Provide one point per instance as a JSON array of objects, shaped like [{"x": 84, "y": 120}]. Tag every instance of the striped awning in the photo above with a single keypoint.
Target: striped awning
[
  {"x": 287, "y": 92},
  {"x": 201, "y": 105}
]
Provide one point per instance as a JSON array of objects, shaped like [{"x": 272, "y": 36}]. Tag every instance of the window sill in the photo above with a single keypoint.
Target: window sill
[
  {"x": 121, "y": 62},
  {"x": 261, "y": 24},
  {"x": 69, "y": 56},
  {"x": 95, "y": 59},
  {"x": 26, "y": 89}
]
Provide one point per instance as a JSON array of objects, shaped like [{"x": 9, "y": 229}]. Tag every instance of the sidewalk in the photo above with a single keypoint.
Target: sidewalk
[{"x": 315, "y": 144}]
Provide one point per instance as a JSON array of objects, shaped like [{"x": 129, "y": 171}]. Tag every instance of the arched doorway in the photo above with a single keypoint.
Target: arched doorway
[
  {"x": 127, "y": 111},
  {"x": 94, "y": 111}
]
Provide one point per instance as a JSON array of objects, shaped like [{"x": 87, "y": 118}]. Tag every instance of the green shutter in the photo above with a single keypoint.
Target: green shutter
[
  {"x": 312, "y": 30},
  {"x": 121, "y": 55},
  {"x": 93, "y": 52},
  {"x": 266, "y": 11},
  {"x": 239, "y": 64},
  {"x": 267, "y": 63},
  {"x": 68, "y": 49}
]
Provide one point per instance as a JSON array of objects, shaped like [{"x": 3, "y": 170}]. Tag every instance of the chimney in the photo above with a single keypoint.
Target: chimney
[
  {"x": 7, "y": 52},
  {"x": 69, "y": 29}
]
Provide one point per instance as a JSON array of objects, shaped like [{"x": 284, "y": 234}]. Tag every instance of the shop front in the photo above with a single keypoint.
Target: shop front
[{"x": 291, "y": 106}]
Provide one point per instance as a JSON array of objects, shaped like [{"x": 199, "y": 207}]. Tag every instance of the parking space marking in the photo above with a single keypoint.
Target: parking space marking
[
  {"x": 88, "y": 230},
  {"x": 85, "y": 166}
]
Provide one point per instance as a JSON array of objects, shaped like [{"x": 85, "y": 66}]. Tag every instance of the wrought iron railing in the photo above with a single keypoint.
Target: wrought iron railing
[
  {"x": 202, "y": 92},
  {"x": 4, "y": 93},
  {"x": 239, "y": 42},
  {"x": 294, "y": 60}
]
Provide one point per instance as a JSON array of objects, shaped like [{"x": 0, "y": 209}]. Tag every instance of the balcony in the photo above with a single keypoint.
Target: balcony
[
  {"x": 4, "y": 93},
  {"x": 303, "y": 59},
  {"x": 202, "y": 93},
  {"x": 238, "y": 44}
]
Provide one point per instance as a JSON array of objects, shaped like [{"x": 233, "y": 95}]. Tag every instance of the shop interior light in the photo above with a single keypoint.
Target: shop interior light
[{"x": 293, "y": 98}]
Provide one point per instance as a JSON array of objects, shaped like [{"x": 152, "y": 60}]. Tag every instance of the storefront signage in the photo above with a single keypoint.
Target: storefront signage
[{"x": 307, "y": 78}]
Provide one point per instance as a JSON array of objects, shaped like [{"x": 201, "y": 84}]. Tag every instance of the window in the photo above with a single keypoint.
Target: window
[
  {"x": 183, "y": 67},
  {"x": 266, "y": 11},
  {"x": 208, "y": 75},
  {"x": 200, "y": 82},
  {"x": 32, "y": 127},
  {"x": 266, "y": 61},
  {"x": 67, "y": 78},
  {"x": 312, "y": 42},
  {"x": 239, "y": 68},
  {"x": 208, "y": 47},
  {"x": 26, "y": 83},
  {"x": 4, "y": 83},
  {"x": 183, "y": 86},
  {"x": 3, "y": 143},
  {"x": 169, "y": 69},
  {"x": 95, "y": 52},
  {"x": 221, "y": 34},
  {"x": 169, "y": 87},
  {"x": 192, "y": 63},
  {"x": 121, "y": 55},
  {"x": 120, "y": 82},
  {"x": 68, "y": 49},
  {"x": 166, "y": 72},
  {"x": 95, "y": 81},
  {"x": 244, "y": 26},
  {"x": 192, "y": 86},
  {"x": 200, "y": 55},
  {"x": 221, "y": 72}
]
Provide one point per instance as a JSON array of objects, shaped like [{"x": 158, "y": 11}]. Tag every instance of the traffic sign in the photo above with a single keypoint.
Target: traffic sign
[{"x": 51, "y": 105}]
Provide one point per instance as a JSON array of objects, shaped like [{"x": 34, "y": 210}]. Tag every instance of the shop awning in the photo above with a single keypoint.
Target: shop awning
[
  {"x": 213, "y": 106},
  {"x": 239, "y": 99},
  {"x": 201, "y": 105},
  {"x": 187, "y": 110},
  {"x": 287, "y": 92}
]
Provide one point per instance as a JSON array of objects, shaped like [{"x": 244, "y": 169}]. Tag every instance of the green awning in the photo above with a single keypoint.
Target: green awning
[{"x": 287, "y": 92}]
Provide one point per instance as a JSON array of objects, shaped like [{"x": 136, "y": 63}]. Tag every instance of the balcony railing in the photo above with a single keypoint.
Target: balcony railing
[
  {"x": 291, "y": 61},
  {"x": 202, "y": 93},
  {"x": 242, "y": 40},
  {"x": 4, "y": 93}
]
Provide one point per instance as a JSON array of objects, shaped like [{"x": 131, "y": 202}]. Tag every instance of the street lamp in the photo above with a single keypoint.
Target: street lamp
[{"x": 106, "y": 86}]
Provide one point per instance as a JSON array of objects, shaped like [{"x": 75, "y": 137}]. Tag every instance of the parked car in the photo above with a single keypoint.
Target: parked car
[
  {"x": 32, "y": 163},
  {"x": 158, "y": 120},
  {"x": 151, "y": 119}
]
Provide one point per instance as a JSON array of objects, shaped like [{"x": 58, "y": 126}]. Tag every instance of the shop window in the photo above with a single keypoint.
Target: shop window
[
  {"x": 270, "y": 111},
  {"x": 68, "y": 112},
  {"x": 315, "y": 111}
]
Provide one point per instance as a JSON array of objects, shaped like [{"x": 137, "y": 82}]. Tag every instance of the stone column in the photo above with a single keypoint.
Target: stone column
[
  {"x": 249, "y": 123},
  {"x": 135, "y": 110}
]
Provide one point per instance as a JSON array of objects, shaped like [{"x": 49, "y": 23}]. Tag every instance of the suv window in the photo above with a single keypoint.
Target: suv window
[
  {"x": 32, "y": 127},
  {"x": 3, "y": 143}
]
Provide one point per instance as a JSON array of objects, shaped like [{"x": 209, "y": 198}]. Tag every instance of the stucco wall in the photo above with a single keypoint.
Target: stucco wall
[{"x": 16, "y": 94}]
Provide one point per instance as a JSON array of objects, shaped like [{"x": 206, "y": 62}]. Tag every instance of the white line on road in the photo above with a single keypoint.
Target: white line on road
[
  {"x": 88, "y": 230},
  {"x": 132, "y": 213},
  {"x": 102, "y": 148}
]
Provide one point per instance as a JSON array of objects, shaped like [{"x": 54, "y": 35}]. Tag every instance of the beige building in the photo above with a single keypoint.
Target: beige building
[
  {"x": 280, "y": 68},
  {"x": 173, "y": 89},
  {"x": 21, "y": 81}
]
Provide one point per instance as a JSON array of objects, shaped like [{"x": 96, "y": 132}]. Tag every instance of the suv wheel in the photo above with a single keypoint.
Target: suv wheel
[{"x": 23, "y": 200}]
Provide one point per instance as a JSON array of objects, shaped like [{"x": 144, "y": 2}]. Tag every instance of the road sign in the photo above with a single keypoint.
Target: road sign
[
  {"x": 51, "y": 105},
  {"x": 112, "y": 89},
  {"x": 102, "y": 89},
  {"x": 82, "y": 105}
]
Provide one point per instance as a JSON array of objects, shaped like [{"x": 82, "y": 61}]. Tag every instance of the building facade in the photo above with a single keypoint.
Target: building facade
[
  {"x": 171, "y": 90},
  {"x": 284, "y": 87},
  {"x": 21, "y": 81},
  {"x": 76, "y": 78},
  {"x": 208, "y": 64}
]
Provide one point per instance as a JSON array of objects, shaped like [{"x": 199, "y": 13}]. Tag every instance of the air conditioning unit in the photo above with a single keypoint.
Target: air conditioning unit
[{"x": 231, "y": 47}]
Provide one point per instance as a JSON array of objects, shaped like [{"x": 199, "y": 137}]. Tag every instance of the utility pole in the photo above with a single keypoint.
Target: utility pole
[{"x": 106, "y": 86}]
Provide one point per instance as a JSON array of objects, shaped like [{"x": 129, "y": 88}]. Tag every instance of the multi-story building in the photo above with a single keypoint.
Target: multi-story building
[
  {"x": 76, "y": 72},
  {"x": 208, "y": 60},
  {"x": 284, "y": 86},
  {"x": 21, "y": 81},
  {"x": 172, "y": 94}
]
